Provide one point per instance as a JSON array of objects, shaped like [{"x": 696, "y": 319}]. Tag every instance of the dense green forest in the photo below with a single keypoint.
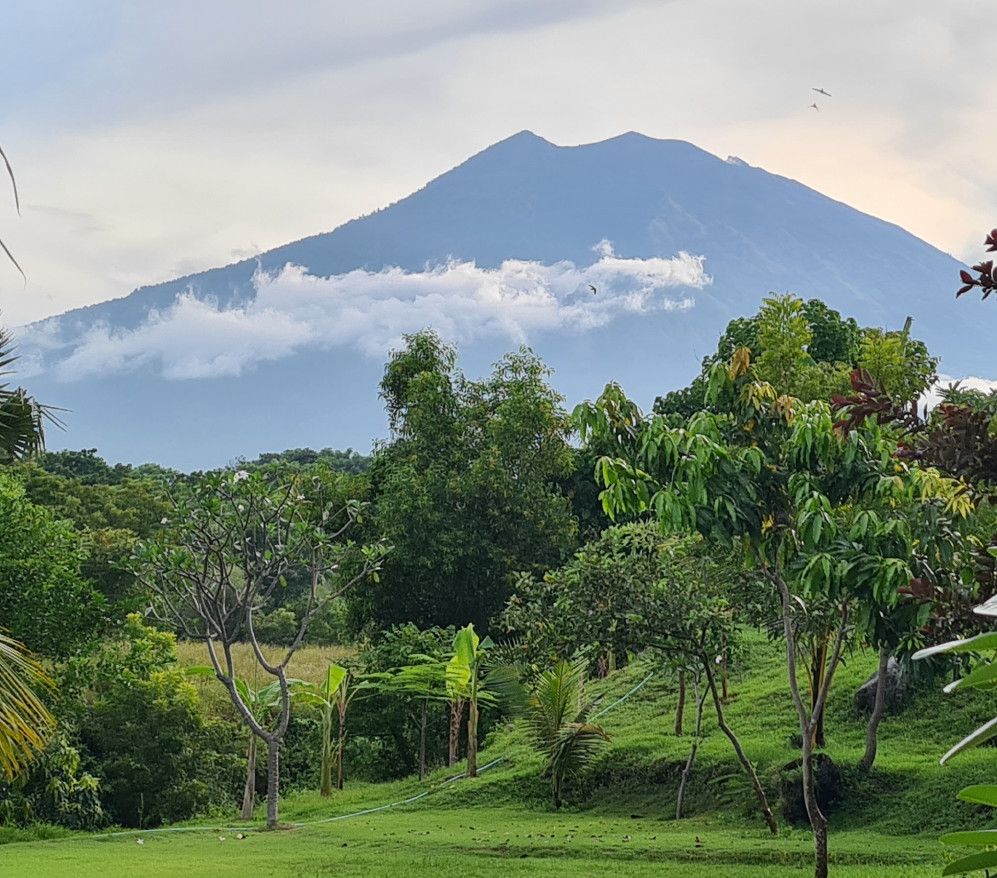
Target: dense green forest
[{"x": 180, "y": 645}]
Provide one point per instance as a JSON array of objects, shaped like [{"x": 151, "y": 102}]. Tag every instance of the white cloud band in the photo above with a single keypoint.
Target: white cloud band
[{"x": 370, "y": 311}]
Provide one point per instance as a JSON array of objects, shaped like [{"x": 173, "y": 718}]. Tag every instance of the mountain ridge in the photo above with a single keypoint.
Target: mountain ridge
[{"x": 517, "y": 230}]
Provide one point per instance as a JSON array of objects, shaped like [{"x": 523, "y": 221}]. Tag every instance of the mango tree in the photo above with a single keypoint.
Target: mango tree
[
  {"x": 818, "y": 514},
  {"x": 229, "y": 544}
]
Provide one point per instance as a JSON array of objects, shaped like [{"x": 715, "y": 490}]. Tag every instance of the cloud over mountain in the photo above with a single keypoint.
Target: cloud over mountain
[{"x": 370, "y": 311}]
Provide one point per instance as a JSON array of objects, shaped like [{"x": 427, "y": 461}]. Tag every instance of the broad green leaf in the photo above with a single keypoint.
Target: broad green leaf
[
  {"x": 979, "y": 675},
  {"x": 981, "y": 794},
  {"x": 985, "y": 860},
  {"x": 973, "y": 644},
  {"x": 983, "y": 733},
  {"x": 334, "y": 677}
]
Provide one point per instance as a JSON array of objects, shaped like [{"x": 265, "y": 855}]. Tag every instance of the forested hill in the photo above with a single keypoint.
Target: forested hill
[{"x": 618, "y": 260}]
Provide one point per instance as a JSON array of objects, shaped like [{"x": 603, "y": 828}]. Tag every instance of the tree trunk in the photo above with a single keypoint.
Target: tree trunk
[
  {"x": 422, "y": 740},
  {"x": 700, "y": 704},
  {"x": 325, "y": 784},
  {"x": 817, "y": 671},
  {"x": 273, "y": 781},
  {"x": 872, "y": 729},
  {"x": 456, "y": 715},
  {"x": 818, "y": 821},
  {"x": 472, "y": 739},
  {"x": 745, "y": 763},
  {"x": 340, "y": 747},
  {"x": 723, "y": 671},
  {"x": 680, "y": 709},
  {"x": 249, "y": 792}
]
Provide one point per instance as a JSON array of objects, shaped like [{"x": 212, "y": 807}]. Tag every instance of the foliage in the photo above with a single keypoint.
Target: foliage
[
  {"x": 626, "y": 591},
  {"x": 57, "y": 790},
  {"x": 808, "y": 350},
  {"x": 348, "y": 461},
  {"x": 560, "y": 724},
  {"x": 44, "y": 600},
  {"x": 467, "y": 491},
  {"x": 986, "y": 277},
  {"x": 22, "y": 417},
  {"x": 142, "y": 733}
]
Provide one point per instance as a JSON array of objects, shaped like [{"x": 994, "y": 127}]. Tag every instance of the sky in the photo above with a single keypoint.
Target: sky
[{"x": 152, "y": 140}]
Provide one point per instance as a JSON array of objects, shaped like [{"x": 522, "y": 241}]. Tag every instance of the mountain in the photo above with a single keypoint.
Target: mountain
[{"x": 287, "y": 349}]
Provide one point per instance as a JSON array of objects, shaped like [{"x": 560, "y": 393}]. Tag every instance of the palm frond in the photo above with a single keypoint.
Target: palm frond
[{"x": 24, "y": 719}]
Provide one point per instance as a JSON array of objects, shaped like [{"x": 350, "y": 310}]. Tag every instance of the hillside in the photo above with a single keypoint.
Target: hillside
[{"x": 497, "y": 252}]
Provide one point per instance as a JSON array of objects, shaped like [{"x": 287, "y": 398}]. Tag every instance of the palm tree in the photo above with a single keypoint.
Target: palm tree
[
  {"x": 22, "y": 418},
  {"x": 559, "y": 723},
  {"x": 24, "y": 720}
]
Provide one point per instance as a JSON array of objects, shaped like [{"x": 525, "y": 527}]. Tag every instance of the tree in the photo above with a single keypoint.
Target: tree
[
  {"x": 818, "y": 514},
  {"x": 559, "y": 723},
  {"x": 44, "y": 600},
  {"x": 230, "y": 543},
  {"x": 467, "y": 491}
]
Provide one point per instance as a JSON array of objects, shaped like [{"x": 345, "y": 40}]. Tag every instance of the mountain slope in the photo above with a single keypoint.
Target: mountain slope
[{"x": 496, "y": 252}]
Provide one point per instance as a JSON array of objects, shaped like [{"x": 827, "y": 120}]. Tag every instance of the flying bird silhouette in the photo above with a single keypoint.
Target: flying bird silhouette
[
  {"x": 821, "y": 91},
  {"x": 814, "y": 106},
  {"x": 593, "y": 289}
]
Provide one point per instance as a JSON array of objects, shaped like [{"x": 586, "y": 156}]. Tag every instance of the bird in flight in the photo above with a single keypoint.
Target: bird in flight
[
  {"x": 593, "y": 289},
  {"x": 821, "y": 91},
  {"x": 814, "y": 106}
]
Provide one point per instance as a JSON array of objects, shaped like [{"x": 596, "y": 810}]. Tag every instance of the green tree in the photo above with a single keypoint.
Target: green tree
[
  {"x": 44, "y": 600},
  {"x": 560, "y": 725},
  {"x": 467, "y": 492},
  {"x": 819, "y": 515},
  {"x": 227, "y": 547}
]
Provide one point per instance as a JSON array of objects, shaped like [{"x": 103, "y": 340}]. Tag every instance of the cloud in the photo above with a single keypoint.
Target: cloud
[
  {"x": 369, "y": 312},
  {"x": 934, "y": 395}
]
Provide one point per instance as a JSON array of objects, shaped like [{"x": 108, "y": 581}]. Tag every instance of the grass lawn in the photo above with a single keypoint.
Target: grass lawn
[{"x": 439, "y": 841}]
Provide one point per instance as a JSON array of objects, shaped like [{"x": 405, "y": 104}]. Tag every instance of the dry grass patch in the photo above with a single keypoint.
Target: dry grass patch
[{"x": 309, "y": 663}]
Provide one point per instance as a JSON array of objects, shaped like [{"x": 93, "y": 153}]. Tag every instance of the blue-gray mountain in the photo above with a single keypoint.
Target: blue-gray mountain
[{"x": 251, "y": 360}]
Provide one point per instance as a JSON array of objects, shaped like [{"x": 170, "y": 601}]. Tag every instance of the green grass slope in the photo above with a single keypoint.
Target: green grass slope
[{"x": 619, "y": 814}]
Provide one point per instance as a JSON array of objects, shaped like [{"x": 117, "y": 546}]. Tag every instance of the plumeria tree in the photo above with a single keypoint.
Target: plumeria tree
[
  {"x": 819, "y": 514},
  {"x": 230, "y": 543}
]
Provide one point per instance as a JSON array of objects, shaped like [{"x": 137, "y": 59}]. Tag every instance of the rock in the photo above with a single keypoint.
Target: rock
[
  {"x": 828, "y": 781},
  {"x": 896, "y": 689}
]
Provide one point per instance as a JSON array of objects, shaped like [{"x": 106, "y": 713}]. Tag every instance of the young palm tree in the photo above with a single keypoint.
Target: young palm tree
[
  {"x": 559, "y": 723},
  {"x": 24, "y": 720}
]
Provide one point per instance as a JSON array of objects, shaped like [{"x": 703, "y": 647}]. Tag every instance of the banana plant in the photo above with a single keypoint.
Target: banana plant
[
  {"x": 333, "y": 696},
  {"x": 470, "y": 678},
  {"x": 560, "y": 724},
  {"x": 260, "y": 702}
]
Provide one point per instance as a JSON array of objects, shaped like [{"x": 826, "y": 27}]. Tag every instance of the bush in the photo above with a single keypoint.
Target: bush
[
  {"x": 278, "y": 628},
  {"x": 154, "y": 753}
]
